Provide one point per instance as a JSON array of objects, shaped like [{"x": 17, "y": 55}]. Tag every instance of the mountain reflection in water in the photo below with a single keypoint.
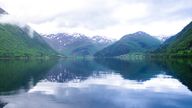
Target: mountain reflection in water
[{"x": 108, "y": 83}]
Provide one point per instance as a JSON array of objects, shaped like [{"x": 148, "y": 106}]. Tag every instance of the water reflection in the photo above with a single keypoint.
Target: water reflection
[
  {"x": 108, "y": 91},
  {"x": 72, "y": 69},
  {"x": 181, "y": 70},
  {"x": 133, "y": 70},
  {"x": 109, "y": 83},
  {"x": 160, "y": 83},
  {"x": 2, "y": 104},
  {"x": 16, "y": 76}
]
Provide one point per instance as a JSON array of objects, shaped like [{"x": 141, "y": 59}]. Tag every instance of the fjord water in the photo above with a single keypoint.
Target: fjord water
[{"x": 99, "y": 83}]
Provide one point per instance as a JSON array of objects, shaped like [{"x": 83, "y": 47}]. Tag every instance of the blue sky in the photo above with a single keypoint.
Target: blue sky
[{"x": 110, "y": 18}]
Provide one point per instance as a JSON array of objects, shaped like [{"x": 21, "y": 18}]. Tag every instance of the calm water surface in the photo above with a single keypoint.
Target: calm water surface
[{"x": 101, "y": 83}]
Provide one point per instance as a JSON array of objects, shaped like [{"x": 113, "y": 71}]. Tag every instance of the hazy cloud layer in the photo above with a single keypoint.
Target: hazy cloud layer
[
  {"x": 112, "y": 18},
  {"x": 10, "y": 19}
]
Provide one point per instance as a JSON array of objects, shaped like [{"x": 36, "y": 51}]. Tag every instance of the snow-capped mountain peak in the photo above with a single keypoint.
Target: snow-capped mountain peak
[
  {"x": 101, "y": 39},
  {"x": 76, "y": 43},
  {"x": 163, "y": 38}
]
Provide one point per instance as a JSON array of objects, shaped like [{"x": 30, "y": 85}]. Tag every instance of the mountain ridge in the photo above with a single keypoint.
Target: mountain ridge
[
  {"x": 135, "y": 42},
  {"x": 76, "y": 44},
  {"x": 180, "y": 42},
  {"x": 2, "y": 11}
]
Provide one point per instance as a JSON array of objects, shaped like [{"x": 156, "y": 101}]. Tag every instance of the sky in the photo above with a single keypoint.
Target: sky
[{"x": 110, "y": 18}]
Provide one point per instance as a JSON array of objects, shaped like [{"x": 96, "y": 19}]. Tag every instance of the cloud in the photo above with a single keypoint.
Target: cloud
[
  {"x": 13, "y": 20},
  {"x": 112, "y": 18}
]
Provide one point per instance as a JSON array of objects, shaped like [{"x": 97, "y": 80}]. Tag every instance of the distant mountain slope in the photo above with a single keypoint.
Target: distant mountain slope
[
  {"x": 182, "y": 41},
  {"x": 136, "y": 42},
  {"x": 76, "y": 44},
  {"x": 15, "y": 41}
]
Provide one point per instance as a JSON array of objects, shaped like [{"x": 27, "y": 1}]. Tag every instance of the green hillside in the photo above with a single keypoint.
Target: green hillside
[
  {"x": 180, "y": 44},
  {"x": 136, "y": 42},
  {"x": 16, "y": 42}
]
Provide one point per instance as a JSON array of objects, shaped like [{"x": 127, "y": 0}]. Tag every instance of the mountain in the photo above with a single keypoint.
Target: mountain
[
  {"x": 163, "y": 38},
  {"x": 76, "y": 44},
  {"x": 19, "y": 42},
  {"x": 2, "y": 11},
  {"x": 15, "y": 41},
  {"x": 136, "y": 42},
  {"x": 179, "y": 43}
]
